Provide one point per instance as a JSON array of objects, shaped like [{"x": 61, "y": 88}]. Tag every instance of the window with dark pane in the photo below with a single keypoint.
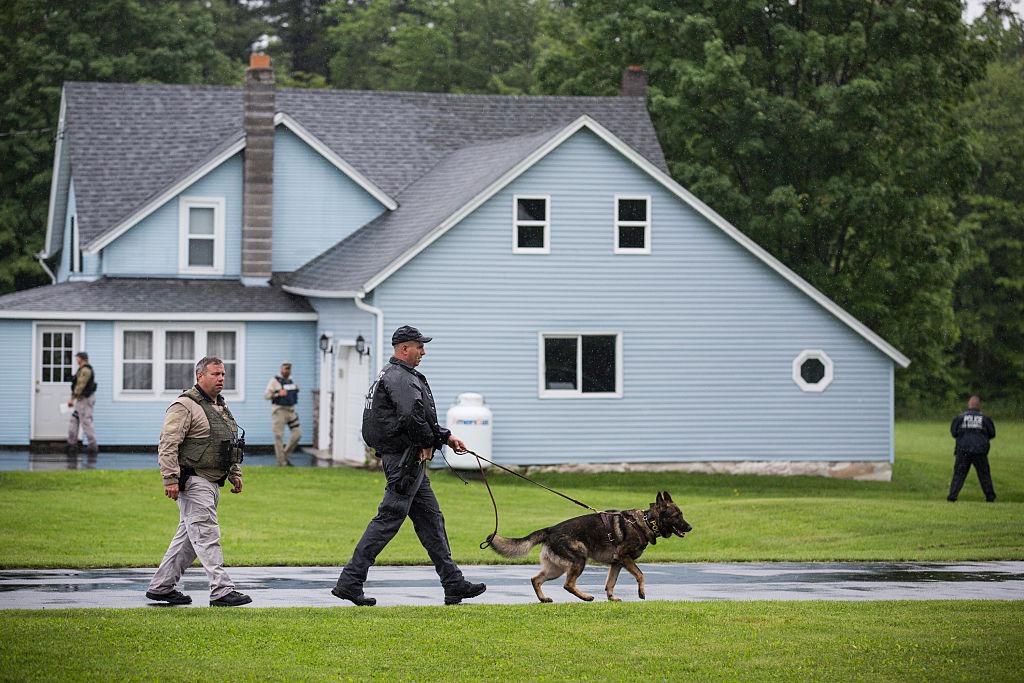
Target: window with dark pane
[
  {"x": 560, "y": 363},
  {"x": 633, "y": 210},
  {"x": 530, "y": 237},
  {"x": 812, "y": 371},
  {"x": 598, "y": 363},
  {"x": 532, "y": 209},
  {"x": 632, "y": 236}
]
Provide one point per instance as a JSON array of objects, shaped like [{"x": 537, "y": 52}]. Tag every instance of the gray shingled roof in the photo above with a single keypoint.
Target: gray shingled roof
[
  {"x": 423, "y": 206},
  {"x": 154, "y": 295},
  {"x": 394, "y": 138},
  {"x": 129, "y": 143}
]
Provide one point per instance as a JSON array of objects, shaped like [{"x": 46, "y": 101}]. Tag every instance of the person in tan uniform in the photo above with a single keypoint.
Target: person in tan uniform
[
  {"x": 83, "y": 400},
  {"x": 283, "y": 392},
  {"x": 199, "y": 450}
]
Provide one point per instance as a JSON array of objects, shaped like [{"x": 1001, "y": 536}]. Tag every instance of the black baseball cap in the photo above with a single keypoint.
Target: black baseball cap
[{"x": 406, "y": 333}]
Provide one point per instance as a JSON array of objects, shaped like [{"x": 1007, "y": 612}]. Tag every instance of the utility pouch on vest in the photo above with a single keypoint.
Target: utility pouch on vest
[
  {"x": 232, "y": 451},
  {"x": 223, "y": 448}
]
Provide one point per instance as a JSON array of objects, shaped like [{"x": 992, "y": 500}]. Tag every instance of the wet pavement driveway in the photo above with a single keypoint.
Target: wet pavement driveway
[{"x": 310, "y": 586}]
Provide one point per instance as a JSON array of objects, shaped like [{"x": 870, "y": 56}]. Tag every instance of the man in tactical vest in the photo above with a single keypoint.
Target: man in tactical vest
[
  {"x": 283, "y": 392},
  {"x": 199, "y": 450},
  {"x": 83, "y": 399},
  {"x": 400, "y": 424}
]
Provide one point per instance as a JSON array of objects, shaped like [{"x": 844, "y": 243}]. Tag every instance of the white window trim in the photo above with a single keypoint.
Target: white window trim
[
  {"x": 159, "y": 330},
  {"x": 816, "y": 354},
  {"x": 645, "y": 224},
  {"x": 546, "y": 223},
  {"x": 218, "y": 205},
  {"x": 578, "y": 392}
]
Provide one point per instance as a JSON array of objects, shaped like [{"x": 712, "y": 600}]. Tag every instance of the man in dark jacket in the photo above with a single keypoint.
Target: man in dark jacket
[
  {"x": 400, "y": 424},
  {"x": 972, "y": 430}
]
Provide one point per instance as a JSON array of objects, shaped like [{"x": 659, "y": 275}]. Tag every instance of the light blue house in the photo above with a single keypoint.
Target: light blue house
[{"x": 606, "y": 314}]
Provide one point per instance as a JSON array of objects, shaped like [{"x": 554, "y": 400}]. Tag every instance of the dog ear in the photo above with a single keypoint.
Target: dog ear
[
  {"x": 668, "y": 498},
  {"x": 657, "y": 501}
]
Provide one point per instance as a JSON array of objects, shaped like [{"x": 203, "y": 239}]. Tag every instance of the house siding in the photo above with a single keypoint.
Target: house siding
[
  {"x": 16, "y": 374},
  {"x": 266, "y": 346},
  {"x": 151, "y": 247},
  {"x": 315, "y": 205},
  {"x": 137, "y": 423},
  {"x": 709, "y": 332}
]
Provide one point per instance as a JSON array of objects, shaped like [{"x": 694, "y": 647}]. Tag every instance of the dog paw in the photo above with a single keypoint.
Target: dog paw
[
  {"x": 643, "y": 596},
  {"x": 612, "y": 598},
  {"x": 545, "y": 599},
  {"x": 588, "y": 598}
]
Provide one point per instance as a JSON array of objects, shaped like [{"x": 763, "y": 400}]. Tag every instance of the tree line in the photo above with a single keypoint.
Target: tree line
[{"x": 876, "y": 148}]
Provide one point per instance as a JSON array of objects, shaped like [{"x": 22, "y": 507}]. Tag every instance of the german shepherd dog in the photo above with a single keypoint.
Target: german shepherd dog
[{"x": 614, "y": 537}]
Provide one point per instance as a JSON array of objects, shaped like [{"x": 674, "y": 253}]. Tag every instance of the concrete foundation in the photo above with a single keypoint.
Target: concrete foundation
[{"x": 860, "y": 471}]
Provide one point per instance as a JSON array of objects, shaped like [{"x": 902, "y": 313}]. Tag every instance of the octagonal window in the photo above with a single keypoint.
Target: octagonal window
[{"x": 812, "y": 370}]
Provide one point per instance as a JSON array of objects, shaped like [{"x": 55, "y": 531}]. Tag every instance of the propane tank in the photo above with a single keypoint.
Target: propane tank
[{"x": 470, "y": 419}]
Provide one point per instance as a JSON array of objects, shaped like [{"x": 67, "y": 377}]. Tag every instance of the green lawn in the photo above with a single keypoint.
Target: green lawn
[
  {"x": 306, "y": 516},
  {"x": 313, "y": 516},
  {"x": 655, "y": 641}
]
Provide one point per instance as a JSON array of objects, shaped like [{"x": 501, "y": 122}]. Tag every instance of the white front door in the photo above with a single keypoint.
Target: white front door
[
  {"x": 54, "y": 366},
  {"x": 351, "y": 380}
]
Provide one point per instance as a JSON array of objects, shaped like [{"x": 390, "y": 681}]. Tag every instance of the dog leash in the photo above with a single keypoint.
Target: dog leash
[{"x": 479, "y": 463}]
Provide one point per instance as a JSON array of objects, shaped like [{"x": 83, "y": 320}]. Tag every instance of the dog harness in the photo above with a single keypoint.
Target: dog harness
[{"x": 606, "y": 518}]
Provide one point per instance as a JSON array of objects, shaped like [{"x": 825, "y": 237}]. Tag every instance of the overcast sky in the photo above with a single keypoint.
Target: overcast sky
[{"x": 974, "y": 8}]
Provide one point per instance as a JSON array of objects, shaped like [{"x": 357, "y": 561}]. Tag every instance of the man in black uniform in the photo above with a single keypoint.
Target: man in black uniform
[
  {"x": 972, "y": 430},
  {"x": 400, "y": 424}
]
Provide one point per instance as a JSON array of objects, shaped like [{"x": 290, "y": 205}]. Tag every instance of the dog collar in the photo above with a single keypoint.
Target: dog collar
[{"x": 651, "y": 522}]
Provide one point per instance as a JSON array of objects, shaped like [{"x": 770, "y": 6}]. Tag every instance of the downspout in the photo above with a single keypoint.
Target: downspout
[
  {"x": 379, "y": 333},
  {"x": 39, "y": 257}
]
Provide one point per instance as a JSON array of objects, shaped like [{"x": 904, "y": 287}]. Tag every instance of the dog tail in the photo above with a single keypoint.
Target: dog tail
[{"x": 518, "y": 547}]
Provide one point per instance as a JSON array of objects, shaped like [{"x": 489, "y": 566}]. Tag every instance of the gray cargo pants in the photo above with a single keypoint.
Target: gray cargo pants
[
  {"x": 421, "y": 507},
  {"x": 81, "y": 419},
  {"x": 281, "y": 417},
  {"x": 198, "y": 535}
]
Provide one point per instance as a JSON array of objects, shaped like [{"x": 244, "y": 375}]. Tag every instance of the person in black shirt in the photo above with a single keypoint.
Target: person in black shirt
[
  {"x": 973, "y": 430},
  {"x": 400, "y": 424}
]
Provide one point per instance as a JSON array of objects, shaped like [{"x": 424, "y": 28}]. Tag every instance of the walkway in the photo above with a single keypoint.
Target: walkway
[{"x": 310, "y": 586}]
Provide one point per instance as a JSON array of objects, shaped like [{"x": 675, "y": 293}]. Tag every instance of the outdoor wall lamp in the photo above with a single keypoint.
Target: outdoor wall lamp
[
  {"x": 361, "y": 346},
  {"x": 325, "y": 342}
]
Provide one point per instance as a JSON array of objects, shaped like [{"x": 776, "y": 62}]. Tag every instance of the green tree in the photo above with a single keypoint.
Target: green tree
[
  {"x": 466, "y": 46},
  {"x": 48, "y": 42},
  {"x": 241, "y": 26},
  {"x": 825, "y": 130},
  {"x": 301, "y": 26},
  {"x": 989, "y": 294}
]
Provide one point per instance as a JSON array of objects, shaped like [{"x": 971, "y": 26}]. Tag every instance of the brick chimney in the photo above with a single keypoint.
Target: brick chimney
[
  {"x": 258, "y": 177},
  {"x": 634, "y": 82}
]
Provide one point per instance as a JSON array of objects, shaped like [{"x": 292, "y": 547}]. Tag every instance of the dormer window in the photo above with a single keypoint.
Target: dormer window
[
  {"x": 632, "y": 225},
  {"x": 531, "y": 225},
  {"x": 201, "y": 235}
]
